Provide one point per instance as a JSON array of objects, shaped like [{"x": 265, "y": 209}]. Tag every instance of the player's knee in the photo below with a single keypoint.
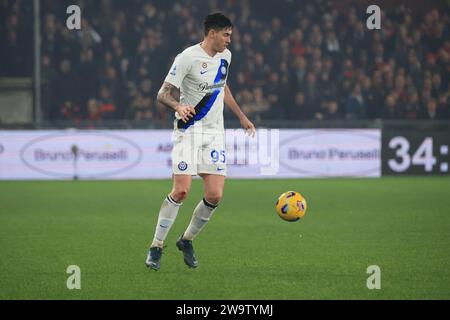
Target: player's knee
[
  {"x": 213, "y": 197},
  {"x": 179, "y": 195}
]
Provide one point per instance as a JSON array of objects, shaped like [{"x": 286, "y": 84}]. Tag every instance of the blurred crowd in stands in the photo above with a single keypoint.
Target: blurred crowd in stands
[{"x": 296, "y": 60}]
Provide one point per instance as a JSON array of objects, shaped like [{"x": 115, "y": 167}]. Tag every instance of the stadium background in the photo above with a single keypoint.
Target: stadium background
[{"x": 296, "y": 65}]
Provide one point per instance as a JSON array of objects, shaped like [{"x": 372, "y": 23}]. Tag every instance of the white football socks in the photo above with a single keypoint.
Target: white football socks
[
  {"x": 167, "y": 214},
  {"x": 201, "y": 216}
]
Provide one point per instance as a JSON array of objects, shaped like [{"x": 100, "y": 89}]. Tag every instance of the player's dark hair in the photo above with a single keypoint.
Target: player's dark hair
[{"x": 216, "y": 21}]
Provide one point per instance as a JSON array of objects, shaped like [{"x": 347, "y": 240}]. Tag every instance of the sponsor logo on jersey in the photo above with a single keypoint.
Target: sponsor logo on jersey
[{"x": 205, "y": 86}]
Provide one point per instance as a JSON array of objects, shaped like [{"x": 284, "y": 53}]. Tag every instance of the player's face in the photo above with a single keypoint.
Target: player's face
[{"x": 222, "y": 39}]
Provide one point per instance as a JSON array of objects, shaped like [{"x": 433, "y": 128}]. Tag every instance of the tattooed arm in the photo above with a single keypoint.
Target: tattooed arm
[{"x": 169, "y": 95}]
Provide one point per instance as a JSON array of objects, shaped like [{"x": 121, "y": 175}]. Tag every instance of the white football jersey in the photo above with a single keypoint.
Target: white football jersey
[{"x": 201, "y": 80}]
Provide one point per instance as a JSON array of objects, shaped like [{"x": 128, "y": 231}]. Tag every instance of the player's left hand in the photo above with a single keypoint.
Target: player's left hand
[{"x": 248, "y": 126}]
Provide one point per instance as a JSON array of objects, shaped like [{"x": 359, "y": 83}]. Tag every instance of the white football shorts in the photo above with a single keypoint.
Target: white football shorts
[{"x": 199, "y": 153}]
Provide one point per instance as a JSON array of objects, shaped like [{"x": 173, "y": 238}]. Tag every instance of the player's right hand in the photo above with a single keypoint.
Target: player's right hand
[{"x": 185, "y": 112}]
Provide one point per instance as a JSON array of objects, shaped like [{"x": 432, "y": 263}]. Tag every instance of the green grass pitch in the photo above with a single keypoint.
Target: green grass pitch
[{"x": 246, "y": 252}]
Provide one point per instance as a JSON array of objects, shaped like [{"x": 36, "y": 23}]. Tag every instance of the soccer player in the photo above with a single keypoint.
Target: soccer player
[{"x": 196, "y": 90}]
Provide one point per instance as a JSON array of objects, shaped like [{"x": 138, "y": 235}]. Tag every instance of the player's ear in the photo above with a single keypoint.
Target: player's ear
[{"x": 212, "y": 33}]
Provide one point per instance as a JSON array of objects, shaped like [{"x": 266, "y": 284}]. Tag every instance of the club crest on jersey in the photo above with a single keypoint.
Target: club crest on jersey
[
  {"x": 204, "y": 65},
  {"x": 182, "y": 166}
]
